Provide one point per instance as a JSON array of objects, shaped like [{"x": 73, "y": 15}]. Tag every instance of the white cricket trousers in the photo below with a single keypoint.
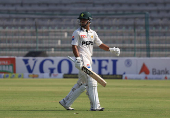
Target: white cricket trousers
[{"x": 84, "y": 82}]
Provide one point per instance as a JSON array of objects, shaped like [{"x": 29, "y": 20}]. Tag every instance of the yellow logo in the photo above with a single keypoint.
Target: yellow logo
[
  {"x": 91, "y": 36},
  {"x": 82, "y": 15}
]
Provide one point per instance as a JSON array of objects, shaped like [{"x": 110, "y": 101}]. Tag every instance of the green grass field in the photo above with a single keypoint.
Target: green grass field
[{"x": 38, "y": 98}]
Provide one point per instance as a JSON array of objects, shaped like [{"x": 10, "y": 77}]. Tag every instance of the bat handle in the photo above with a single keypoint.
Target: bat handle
[{"x": 71, "y": 59}]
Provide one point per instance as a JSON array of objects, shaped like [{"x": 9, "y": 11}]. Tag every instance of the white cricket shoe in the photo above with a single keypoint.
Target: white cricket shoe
[
  {"x": 99, "y": 109},
  {"x": 62, "y": 102}
]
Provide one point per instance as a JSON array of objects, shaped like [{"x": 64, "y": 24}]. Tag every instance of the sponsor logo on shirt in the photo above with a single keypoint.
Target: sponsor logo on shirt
[
  {"x": 87, "y": 43},
  {"x": 72, "y": 37},
  {"x": 83, "y": 36},
  {"x": 88, "y": 65}
]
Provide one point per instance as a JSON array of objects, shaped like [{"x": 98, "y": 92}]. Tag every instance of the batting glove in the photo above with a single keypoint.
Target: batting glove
[
  {"x": 115, "y": 50},
  {"x": 78, "y": 63}
]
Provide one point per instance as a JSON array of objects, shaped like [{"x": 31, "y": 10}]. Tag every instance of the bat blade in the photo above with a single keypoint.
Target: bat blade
[{"x": 92, "y": 74}]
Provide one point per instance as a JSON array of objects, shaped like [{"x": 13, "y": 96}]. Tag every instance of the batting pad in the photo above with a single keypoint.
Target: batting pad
[
  {"x": 74, "y": 93},
  {"x": 93, "y": 97}
]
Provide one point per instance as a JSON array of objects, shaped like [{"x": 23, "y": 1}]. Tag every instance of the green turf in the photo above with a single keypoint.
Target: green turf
[{"x": 38, "y": 98}]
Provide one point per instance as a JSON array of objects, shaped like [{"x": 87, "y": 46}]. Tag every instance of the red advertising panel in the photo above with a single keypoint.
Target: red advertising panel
[{"x": 7, "y": 65}]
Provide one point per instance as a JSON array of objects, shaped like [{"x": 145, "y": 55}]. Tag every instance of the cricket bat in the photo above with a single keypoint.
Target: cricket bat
[{"x": 92, "y": 74}]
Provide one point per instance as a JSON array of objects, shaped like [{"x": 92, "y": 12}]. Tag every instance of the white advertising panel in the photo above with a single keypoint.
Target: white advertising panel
[
  {"x": 46, "y": 75},
  {"x": 43, "y": 75},
  {"x": 166, "y": 77},
  {"x": 153, "y": 66},
  {"x": 101, "y": 65},
  {"x": 56, "y": 75},
  {"x": 145, "y": 77},
  {"x": 64, "y": 65},
  {"x": 113, "y": 66},
  {"x": 45, "y": 65},
  {"x": 35, "y": 75},
  {"x": 133, "y": 76},
  {"x": 1, "y": 76}
]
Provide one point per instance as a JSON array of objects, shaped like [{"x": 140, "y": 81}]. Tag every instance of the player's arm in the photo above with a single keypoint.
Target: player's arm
[
  {"x": 104, "y": 47},
  {"x": 75, "y": 51},
  {"x": 78, "y": 61},
  {"x": 112, "y": 50}
]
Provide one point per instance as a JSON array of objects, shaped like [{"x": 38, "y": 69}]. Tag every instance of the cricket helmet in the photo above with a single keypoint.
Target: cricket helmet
[{"x": 85, "y": 15}]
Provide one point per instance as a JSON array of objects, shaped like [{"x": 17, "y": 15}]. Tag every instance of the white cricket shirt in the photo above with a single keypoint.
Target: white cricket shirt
[{"x": 85, "y": 40}]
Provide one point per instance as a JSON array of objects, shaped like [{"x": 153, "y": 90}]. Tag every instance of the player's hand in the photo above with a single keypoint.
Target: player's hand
[
  {"x": 115, "y": 50},
  {"x": 78, "y": 63}
]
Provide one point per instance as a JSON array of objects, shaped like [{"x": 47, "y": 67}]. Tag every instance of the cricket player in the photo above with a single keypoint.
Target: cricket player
[{"x": 83, "y": 40}]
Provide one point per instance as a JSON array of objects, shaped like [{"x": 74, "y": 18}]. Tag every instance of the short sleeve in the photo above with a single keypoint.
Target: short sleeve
[
  {"x": 97, "y": 40},
  {"x": 75, "y": 38}
]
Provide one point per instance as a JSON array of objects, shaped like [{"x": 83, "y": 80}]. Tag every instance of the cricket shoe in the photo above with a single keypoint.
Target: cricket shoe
[
  {"x": 99, "y": 109},
  {"x": 62, "y": 102}
]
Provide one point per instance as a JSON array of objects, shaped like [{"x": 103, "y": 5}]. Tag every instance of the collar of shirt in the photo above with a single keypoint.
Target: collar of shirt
[{"x": 83, "y": 29}]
